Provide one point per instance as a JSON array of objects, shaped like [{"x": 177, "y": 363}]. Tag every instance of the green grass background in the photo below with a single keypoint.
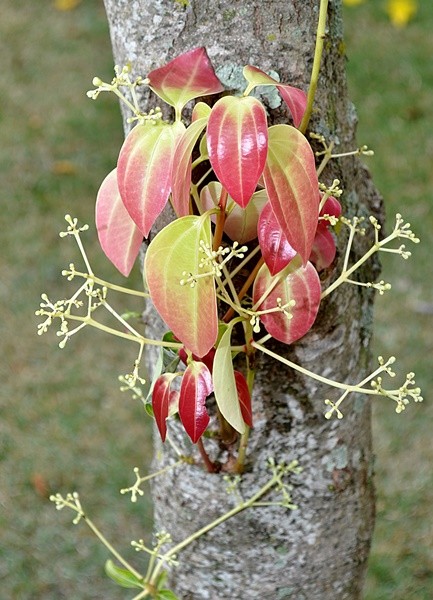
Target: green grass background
[{"x": 64, "y": 425}]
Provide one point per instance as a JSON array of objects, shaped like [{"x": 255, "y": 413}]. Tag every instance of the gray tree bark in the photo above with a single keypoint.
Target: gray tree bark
[{"x": 320, "y": 551}]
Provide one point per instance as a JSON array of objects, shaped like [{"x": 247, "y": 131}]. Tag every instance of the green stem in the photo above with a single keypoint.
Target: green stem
[
  {"x": 325, "y": 380},
  {"x": 127, "y": 336},
  {"x": 111, "y": 286},
  {"x": 243, "y": 445},
  {"x": 320, "y": 38},
  {"x": 228, "y": 515},
  {"x": 343, "y": 277},
  {"x": 112, "y": 550}
]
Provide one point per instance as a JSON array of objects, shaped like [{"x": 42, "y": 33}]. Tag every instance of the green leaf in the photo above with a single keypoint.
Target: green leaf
[
  {"x": 190, "y": 310},
  {"x": 166, "y": 595},
  {"x": 225, "y": 390},
  {"x": 122, "y": 577}
]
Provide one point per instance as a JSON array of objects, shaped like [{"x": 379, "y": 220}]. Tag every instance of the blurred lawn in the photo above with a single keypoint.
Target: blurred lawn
[
  {"x": 64, "y": 425},
  {"x": 391, "y": 83}
]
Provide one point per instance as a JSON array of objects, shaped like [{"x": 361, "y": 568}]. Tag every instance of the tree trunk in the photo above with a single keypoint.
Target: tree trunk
[{"x": 320, "y": 551}]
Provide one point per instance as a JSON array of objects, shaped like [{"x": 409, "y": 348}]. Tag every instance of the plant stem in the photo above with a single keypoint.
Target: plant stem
[
  {"x": 127, "y": 336},
  {"x": 228, "y": 515},
  {"x": 331, "y": 382},
  {"x": 345, "y": 274},
  {"x": 112, "y": 550},
  {"x": 111, "y": 286},
  {"x": 221, "y": 219},
  {"x": 240, "y": 463},
  {"x": 210, "y": 466},
  {"x": 320, "y": 37},
  {"x": 248, "y": 283}
]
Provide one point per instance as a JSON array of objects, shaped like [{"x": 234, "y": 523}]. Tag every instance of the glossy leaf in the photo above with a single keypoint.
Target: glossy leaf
[
  {"x": 184, "y": 78},
  {"x": 207, "y": 359},
  {"x": 163, "y": 400},
  {"x": 301, "y": 285},
  {"x": 276, "y": 250},
  {"x": 237, "y": 141},
  {"x": 292, "y": 186},
  {"x": 144, "y": 170},
  {"x": 295, "y": 98},
  {"x": 196, "y": 386},
  {"x": 181, "y": 178},
  {"x": 324, "y": 248},
  {"x": 122, "y": 577},
  {"x": 244, "y": 397},
  {"x": 241, "y": 223},
  {"x": 118, "y": 235},
  {"x": 226, "y": 394},
  {"x": 189, "y": 311},
  {"x": 332, "y": 207}
]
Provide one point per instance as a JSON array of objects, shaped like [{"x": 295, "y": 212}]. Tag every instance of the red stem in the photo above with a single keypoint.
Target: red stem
[{"x": 210, "y": 466}]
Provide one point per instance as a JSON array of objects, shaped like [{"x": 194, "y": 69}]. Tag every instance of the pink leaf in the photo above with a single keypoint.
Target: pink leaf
[
  {"x": 324, "y": 249},
  {"x": 181, "y": 178},
  {"x": 295, "y": 98},
  {"x": 241, "y": 223},
  {"x": 301, "y": 285},
  {"x": 118, "y": 235},
  {"x": 276, "y": 250},
  {"x": 196, "y": 386},
  {"x": 237, "y": 141},
  {"x": 244, "y": 398},
  {"x": 144, "y": 170},
  {"x": 187, "y": 76},
  {"x": 292, "y": 186},
  {"x": 163, "y": 399}
]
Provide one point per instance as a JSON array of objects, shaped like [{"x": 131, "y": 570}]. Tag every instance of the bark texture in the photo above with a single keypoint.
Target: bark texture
[{"x": 320, "y": 551}]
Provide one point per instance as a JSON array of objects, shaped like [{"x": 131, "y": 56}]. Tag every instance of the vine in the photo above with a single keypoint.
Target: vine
[{"x": 254, "y": 229}]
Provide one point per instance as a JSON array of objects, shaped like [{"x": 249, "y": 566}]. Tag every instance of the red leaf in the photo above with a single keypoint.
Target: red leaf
[
  {"x": 332, "y": 207},
  {"x": 196, "y": 386},
  {"x": 324, "y": 249},
  {"x": 276, "y": 250},
  {"x": 181, "y": 178},
  {"x": 301, "y": 285},
  {"x": 292, "y": 186},
  {"x": 207, "y": 359},
  {"x": 187, "y": 76},
  {"x": 118, "y": 235},
  {"x": 163, "y": 399},
  {"x": 244, "y": 398},
  {"x": 295, "y": 98},
  {"x": 144, "y": 170},
  {"x": 237, "y": 141}
]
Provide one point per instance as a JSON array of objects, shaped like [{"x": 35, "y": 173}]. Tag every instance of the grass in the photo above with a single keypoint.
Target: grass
[
  {"x": 64, "y": 425},
  {"x": 391, "y": 83}
]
